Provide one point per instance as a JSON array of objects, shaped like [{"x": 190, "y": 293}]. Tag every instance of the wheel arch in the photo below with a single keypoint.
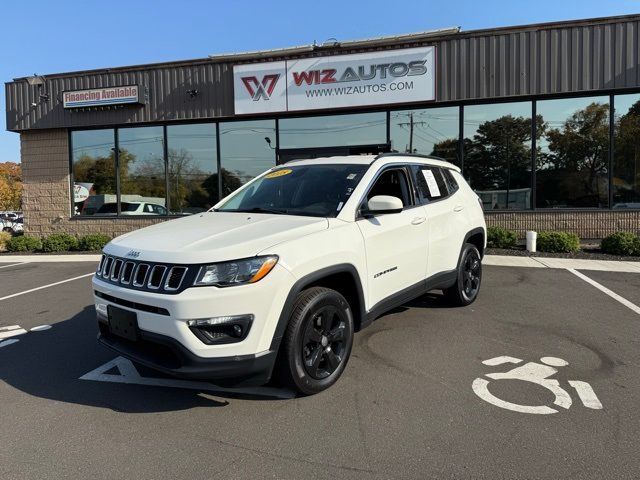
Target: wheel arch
[
  {"x": 476, "y": 237},
  {"x": 343, "y": 278}
]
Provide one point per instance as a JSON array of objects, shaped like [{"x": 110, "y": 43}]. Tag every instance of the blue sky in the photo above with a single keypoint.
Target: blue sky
[{"x": 44, "y": 37}]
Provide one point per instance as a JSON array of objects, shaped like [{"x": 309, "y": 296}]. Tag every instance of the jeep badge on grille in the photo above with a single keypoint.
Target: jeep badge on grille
[{"x": 133, "y": 254}]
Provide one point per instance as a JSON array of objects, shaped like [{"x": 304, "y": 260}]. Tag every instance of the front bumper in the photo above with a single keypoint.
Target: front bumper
[
  {"x": 168, "y": 356},
  {"x": 166, "y": 342}
]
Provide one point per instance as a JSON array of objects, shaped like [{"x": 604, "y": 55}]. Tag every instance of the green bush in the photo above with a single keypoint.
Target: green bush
[
  {"x": 93, "y": 241},
  {"x": 621, "y": 243},
  {"x": 4, "y": 239},
  {"x": 498, "y": 237},
  {"x": 59, "y": 242},
  {"x": 24, "y": 243},
  {"x": 558, "y": 242}
]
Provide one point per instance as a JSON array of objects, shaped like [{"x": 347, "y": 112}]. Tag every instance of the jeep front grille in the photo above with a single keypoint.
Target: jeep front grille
[{"x": 147, "y": 276}]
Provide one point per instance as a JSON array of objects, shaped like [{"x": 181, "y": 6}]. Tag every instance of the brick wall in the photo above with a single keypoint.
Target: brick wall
[
  {"x": 46, "y": 194},
  {"x": 45, "y": 166},
  {"x": 587, "y": 224}
]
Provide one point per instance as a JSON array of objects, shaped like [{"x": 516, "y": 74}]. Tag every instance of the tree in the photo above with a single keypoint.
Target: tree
[
  {"x": 10, "y": 186},
  {"x": 574, "y": 170},
  {"x": 626, "y": 168},
  {"x": 230, "y": 182},
  {"x": 498, "y": 157}
]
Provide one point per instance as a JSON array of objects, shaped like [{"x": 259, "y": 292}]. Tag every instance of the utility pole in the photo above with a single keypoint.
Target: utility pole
[{"x": 411, "y": 124}]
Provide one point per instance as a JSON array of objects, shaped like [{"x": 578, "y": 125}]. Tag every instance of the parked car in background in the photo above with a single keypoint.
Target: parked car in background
[
  {"x": 14, "y": 227},
  {"x": 132, "y": 208}
]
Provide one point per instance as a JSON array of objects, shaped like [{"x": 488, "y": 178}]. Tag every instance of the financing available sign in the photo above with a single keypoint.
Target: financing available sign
[
  {"x": 373, "y": 78},
  {"x": 98, "y": 97}
]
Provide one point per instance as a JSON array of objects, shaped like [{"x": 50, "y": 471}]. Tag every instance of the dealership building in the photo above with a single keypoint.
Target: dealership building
[{"x": 543, "y": 120}]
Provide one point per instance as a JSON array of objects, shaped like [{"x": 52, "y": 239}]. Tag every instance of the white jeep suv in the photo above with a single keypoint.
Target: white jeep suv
[{"x": 277, "y": 277}]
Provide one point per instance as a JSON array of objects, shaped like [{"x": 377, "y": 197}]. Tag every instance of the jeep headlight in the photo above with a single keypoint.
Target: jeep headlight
[{"x": 237, "y": 272}]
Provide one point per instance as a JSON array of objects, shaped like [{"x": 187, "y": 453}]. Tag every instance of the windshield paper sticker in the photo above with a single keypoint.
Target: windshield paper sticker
[
  {"x": 434, "y": 191},
  {"x": 278, "y": 173}
]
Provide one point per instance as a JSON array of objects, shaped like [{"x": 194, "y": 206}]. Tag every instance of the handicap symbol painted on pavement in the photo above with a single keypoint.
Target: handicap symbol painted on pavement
[{"x": 538, "y": 373}]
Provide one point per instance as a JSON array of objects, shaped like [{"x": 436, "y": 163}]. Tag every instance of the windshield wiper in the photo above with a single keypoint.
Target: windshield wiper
[{"x": 262, "y": 210}]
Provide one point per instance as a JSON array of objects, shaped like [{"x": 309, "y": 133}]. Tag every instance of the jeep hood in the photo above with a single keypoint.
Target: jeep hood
[{"x": 213, "y": 237}]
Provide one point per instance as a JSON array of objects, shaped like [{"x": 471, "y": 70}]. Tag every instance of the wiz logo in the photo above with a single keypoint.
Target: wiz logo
[{"x": 261, "y": 89}]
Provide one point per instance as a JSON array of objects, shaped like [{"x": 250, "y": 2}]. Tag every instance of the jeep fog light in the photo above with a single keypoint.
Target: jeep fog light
[
  {"x": 101, "y": 310},
  {"x": 221, "y": 330}
]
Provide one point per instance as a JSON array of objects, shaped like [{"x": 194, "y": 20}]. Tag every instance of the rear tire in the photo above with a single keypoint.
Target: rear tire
[
  {"x": 317, "y": 342},
  {"x": 465, "y": 291}
]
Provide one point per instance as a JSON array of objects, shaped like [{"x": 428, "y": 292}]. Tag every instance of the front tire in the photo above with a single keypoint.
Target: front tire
[
  {"x": 465, "y": 291},
  {"x": 318, "y": 341}
]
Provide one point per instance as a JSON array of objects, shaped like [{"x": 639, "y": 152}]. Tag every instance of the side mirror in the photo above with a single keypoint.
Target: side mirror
[{"x": 381, "y": 204}]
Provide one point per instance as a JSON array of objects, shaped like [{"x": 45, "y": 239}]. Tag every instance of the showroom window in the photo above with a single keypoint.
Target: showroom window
[
  {"x": 572, "y": 161},
  {"x": 142, "y": 171},
  {"x": 192, "y": 167},
  {"x": 94, "y": 170},
  {"x": 626, "y": 158},
  {"x": 247, "y": 149},
  {"x": 434, "y": 131},
  {"x": 334, "y": 130},
  {"x": 497, "y": 154}
]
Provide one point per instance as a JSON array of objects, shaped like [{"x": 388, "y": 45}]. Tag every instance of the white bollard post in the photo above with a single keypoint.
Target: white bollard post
[{"x": 532, "y": 238}]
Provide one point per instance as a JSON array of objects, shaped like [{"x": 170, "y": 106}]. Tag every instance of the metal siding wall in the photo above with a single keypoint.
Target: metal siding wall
[
  {"x": 167, "y": 98},
  {"x": 529, "y": 61}
]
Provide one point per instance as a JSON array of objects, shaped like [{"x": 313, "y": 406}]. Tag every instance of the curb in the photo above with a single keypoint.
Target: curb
[
  {"x": 50, "y": 258},
  {"x": 564, "y": 263}
]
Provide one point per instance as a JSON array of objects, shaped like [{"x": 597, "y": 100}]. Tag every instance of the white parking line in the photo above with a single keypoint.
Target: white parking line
[
  {"x": 13, "y": 265},
  {"x": 604, "y": 289},
  {"x": 45, "y": 286},
  {"x": 129, "y": 374}
]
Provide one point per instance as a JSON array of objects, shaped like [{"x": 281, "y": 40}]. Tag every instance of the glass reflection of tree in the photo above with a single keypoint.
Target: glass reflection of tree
[
  {"x": 627, "y": 152},
  {"x": 574, "y": 168}
]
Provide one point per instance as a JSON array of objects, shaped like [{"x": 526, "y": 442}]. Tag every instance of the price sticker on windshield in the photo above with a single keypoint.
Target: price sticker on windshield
[{"x": 278, "y": 173}]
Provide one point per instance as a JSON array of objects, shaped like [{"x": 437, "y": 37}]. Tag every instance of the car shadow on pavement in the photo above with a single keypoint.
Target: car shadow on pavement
[{"x": 48, "y": 364}]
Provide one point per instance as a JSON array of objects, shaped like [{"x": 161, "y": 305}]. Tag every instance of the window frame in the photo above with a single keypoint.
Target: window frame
[
  {"x": 426, "y": 201},
  {"x": 410, "y": 184}
]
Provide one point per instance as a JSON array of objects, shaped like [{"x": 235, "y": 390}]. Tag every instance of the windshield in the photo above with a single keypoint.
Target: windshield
[{"x": 310, "y": 190}]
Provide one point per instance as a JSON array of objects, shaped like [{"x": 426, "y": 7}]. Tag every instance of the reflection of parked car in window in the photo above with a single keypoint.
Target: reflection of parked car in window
[
  {"x": 288, "y": 267},
  {"x": 629, "y": 205},
  {"x": 132, "y": 208},
  {"x": 93, "y": 203}
]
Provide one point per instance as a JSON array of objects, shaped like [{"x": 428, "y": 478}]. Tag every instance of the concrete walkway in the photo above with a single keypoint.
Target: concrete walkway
[
  {"x": 497, "y": 260},
  {"x": 574, "y": 263}
]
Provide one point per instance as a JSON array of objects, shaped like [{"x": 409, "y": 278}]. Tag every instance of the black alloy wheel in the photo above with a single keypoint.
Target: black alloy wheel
[
  {"x": 324, "y": 342},
  {"x": 317, "y": 342},
  {"x": 468, "y": 279},
  {"x": 471, "y": 275}
]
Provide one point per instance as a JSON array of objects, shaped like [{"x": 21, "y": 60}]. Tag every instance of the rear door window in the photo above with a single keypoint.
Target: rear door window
[{"x": 430, "y": 183}]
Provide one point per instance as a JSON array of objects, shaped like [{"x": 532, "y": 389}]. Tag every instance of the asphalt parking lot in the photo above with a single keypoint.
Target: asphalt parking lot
[{"x": 406, "y": 406}]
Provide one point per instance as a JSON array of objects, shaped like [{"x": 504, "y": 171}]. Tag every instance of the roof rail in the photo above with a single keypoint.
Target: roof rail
[{"x": 419, "y": 155}]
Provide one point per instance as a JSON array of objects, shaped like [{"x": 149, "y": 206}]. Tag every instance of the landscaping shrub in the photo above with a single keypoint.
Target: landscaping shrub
[
  {"x": 621, "y": 243},
  {"x": 24, "y": 243},
  {"x": 4, "y": 239},
  {"x": 59, "y": 242},
  {"x": 558, "y": 242},
  {"x": 93, "y": 241},
  {"x": 498, "y": 237}
]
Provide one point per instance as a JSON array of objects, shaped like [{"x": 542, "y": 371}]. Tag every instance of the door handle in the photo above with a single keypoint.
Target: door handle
[
  {"x": 458, "y": 208},
  {"x": 418, "y": 220}
]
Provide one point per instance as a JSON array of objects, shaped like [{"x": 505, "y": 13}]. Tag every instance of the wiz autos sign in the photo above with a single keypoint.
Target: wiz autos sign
[
  {"x": 99, "y": 97},
  {"x": 395, "y": 76}
]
